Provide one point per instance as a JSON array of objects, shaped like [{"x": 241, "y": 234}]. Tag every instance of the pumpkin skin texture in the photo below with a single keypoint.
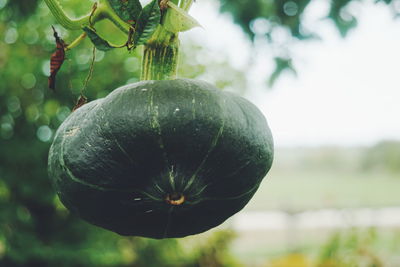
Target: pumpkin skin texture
[{"x": 161, "y": 159}]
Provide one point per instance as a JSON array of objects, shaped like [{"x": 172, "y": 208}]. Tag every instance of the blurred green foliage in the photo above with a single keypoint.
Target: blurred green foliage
[
  {"x": 384, "y": 156},
  {"x": 289, "y": 15},
  {"x": 261, "y": 18},
  {"x": 279, "y": 13},
  {"x": 345, "y": 249}
]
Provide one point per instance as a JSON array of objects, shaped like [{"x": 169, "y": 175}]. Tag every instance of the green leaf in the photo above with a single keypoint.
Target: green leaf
[
  {"x": 99, "y": 42},
  {"x": 178, "y": 20},
  {"x": 147, "y": 23},
  {"x": 127, "y": 10}
]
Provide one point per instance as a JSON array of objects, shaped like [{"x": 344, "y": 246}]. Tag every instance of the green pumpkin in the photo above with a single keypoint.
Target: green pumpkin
[{"x": 161, "y": 158}]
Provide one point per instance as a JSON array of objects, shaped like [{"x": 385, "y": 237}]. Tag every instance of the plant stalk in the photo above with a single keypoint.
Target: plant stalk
[
  {"x": 161, "y": 53},
  {"x": 160, "y": 61},
  {"x": 64, "y": 20},
  {"x": 160, "y": 56},
  {"x": 76, "y": 41},
  {"x": 103, "y": 11},
  {"x": 185, "y": 5}
]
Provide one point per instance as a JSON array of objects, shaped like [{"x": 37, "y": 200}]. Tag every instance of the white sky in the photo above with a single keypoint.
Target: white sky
[{"x": 347, "y": 91}]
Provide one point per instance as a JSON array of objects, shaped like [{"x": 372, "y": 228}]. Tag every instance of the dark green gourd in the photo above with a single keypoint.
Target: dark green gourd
[{"x": 161, "y": 158}]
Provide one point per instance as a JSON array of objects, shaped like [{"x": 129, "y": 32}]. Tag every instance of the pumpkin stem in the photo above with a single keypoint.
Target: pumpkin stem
[
  {"x": 160, "y": 56},
  {"x": 160, "y": 53},
  {"x": 175, "y": 199}
]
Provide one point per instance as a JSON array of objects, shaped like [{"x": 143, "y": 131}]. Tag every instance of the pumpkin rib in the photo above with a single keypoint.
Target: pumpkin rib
[
  {"x": 238, "y": 104},
  {"x": 149, "y": 195},
  {"x": 77, "y": 180},
  {"x": 252, "y": 190},
  {"x": 155, "y": 124},
  {"x": 190, "y": 86},
  {"x": 210, "y": 149},
  {"x": 168, "y": 223},
  {"x": 236, "y": 197},
  {"x": 64, "y": 166},
  {"x": 123, "y": 150},
  {"x": 215, "y": 182},
  {"x": 159, "y": 187},
  {"x": 171, "y": 177},
  {"x": 80, "y": 181},
  {"x": 238, "y": 170},
  {"x": 117, "y": 142},
  {"x": 110, "y": 132},
  {"x": 201, "y": 190},
  {"x": 194, "y": 107}
]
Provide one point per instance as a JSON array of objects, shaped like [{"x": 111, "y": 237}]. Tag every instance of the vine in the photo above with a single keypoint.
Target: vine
[{"x": 155, "y": 26}]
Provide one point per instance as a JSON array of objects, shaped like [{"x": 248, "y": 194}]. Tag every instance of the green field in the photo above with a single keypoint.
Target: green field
[
  {"x": 295, "y": 191},
  {"x": 303, "y": 179},
  {"x": 262, "y": 248},
  {"x": 322, "y": 178}
]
